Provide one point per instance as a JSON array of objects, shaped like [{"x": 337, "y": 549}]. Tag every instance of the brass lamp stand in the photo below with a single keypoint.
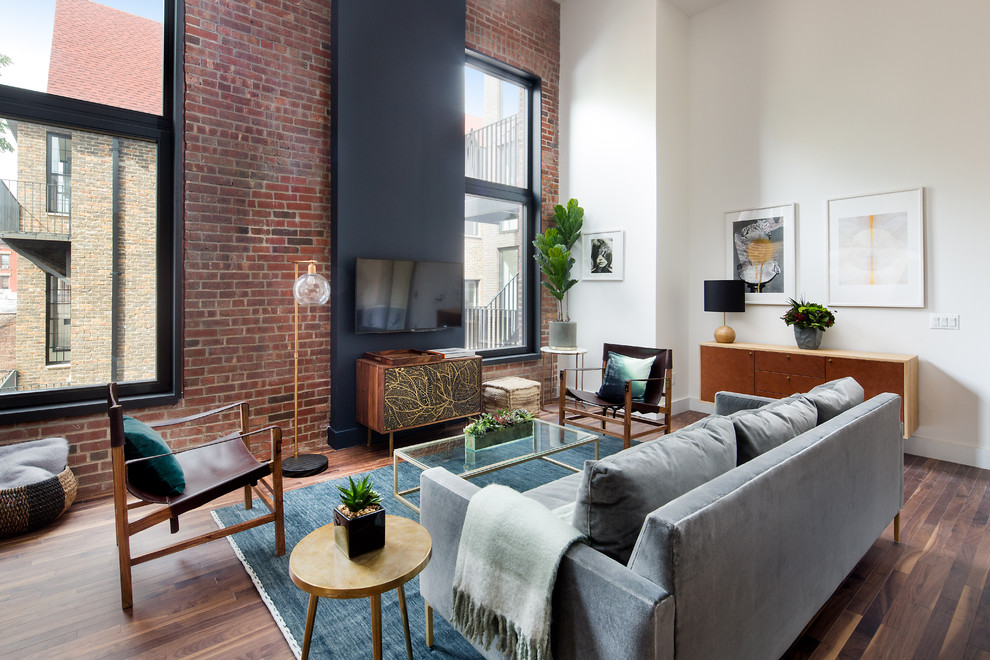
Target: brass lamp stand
[{"x": 308, "y": 289}]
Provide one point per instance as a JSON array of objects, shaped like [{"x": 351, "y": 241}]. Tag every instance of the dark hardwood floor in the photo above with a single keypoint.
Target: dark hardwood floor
[{"x": 927, "y": 597}]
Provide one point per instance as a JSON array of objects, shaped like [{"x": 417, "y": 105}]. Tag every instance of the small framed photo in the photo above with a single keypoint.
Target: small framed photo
[
  {"x": 876, "y": 250},
  {"x": 601, "y": 255},
  {"x": 761, "y": 253}
]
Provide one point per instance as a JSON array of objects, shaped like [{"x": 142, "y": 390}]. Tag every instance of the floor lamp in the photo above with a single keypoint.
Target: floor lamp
[{"x": 308, "y": 289}]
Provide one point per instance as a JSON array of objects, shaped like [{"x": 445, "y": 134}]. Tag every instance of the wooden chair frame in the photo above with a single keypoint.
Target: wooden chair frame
[
  {"x": 271, "y": 496},
  {"x": 576, "y": 404}
]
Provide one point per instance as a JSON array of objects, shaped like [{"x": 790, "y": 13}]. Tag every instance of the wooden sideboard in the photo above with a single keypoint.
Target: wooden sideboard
[
  {"x": 778, "y": 371},
  {"x": 398, "y": 397}
]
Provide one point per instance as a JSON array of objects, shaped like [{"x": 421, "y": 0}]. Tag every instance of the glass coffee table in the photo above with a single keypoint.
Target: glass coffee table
[{"x": 451, "y": 454}]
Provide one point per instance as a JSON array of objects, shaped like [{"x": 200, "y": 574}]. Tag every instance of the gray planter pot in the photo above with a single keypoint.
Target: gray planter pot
[
  {"x": 563, "y": 334},
  {"x": 808, "y": 338}
]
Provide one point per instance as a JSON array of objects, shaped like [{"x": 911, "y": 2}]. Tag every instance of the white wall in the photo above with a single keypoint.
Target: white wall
[
  {"x": 610, "y": 67},
  {"x": 802, "y": 101}
]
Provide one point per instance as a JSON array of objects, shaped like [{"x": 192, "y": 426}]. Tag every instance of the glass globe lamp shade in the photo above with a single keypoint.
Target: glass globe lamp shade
[{"x": 311, "y": 288}]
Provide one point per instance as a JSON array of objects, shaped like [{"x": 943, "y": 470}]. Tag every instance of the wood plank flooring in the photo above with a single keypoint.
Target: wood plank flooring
[{"x": 927, "y": 597}]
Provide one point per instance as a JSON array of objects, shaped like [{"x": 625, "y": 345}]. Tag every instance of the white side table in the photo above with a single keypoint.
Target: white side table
[{"x": 550, "y": 356}]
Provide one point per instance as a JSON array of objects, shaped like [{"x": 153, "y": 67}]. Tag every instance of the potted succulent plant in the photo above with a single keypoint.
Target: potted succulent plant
[
  {"x": 492, "y": 429},
  {"x": 359, "y": 519},
  {"x": 810, "y": 321},
  {"x": 553, "y": 254}
]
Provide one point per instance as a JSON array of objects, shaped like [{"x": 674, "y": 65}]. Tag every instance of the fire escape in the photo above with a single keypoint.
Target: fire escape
[{"x": 36, "y": 222}]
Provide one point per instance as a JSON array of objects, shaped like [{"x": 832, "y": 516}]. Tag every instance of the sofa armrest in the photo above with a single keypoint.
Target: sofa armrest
[
  {"x": 600, "y": 607},
  {"x": 727, "y": 403}
]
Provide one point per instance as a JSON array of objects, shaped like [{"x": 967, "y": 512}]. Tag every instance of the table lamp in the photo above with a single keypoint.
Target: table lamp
[
  {"x": 725, "y": 296},
  {"x": 311, "y": 288}
]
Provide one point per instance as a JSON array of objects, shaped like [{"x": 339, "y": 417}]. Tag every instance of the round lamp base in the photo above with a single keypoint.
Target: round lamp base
[
  {"x": 304, "y": 465},
  {"x": 725, "y": 335}
]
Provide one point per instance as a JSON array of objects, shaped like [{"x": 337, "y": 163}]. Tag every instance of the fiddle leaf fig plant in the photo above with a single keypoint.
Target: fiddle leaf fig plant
[{"x": 553, "y": 253}]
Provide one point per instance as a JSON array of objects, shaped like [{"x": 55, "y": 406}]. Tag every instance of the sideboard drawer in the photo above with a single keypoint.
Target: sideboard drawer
[
  {"x": 788, "y": 363},
  {"x": 773, "y": 384}
]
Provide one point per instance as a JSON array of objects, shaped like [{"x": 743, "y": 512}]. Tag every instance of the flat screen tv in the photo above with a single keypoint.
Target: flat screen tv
[{"x": 407, "y": 296}]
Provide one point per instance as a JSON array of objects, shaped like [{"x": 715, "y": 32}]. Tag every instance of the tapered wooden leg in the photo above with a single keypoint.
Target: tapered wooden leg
[
  {"x": 405, "y": 620},
  {"x": 310, "y": 618},
  {"x": 429, "y": 626},
  {"x": 376, "y": 626},
  {"x": 897, "y": 527},
  {"x": 248, "y": 500}
]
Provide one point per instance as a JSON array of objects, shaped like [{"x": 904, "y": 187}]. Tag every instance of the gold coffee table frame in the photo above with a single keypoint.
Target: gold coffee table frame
[
  {"x": 320, "y": 569},
  {"x": 451, "y": 454}
]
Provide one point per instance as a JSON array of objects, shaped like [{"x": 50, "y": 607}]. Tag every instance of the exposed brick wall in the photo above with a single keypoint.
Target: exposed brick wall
[
  {"x": 526, "y": 34},
  {"x": 257, "y": 197}
]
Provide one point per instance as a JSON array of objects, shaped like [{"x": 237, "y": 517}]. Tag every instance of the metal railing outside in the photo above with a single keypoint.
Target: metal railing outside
[
  {"x": 24, "y": 207},
  {"x": 492, "y": 152},
  {"x": 497, "y": 324}
]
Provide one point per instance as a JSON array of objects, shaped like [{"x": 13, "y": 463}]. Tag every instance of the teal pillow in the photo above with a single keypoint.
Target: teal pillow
[
  {"x": 161, "y": 476},
  {"x": 618, "y": 370}
]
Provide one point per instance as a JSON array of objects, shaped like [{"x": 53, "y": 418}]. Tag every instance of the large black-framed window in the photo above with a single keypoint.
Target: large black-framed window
[
  {"x": 145, "y": 136},
  {"x": 502, "y": 207}
]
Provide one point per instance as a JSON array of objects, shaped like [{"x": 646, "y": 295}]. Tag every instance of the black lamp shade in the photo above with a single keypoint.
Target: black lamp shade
[{"x": 725, "y": 296}]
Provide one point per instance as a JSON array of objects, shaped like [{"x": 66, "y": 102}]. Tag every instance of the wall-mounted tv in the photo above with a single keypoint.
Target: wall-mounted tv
[{"x": 407, "y": 296}]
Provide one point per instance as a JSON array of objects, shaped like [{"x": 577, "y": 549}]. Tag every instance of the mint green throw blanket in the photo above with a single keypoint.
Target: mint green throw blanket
[{"x": 507, "y": 562}]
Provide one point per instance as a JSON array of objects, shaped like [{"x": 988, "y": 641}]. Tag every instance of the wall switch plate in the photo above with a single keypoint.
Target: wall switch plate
[{"x": 943, "y": 321}]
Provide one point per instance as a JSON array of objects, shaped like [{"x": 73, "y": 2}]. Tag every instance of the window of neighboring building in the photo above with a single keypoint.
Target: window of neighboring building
[
  {"x": 59, "y": 173},
  {"x": 57, "y": 320},
  {"x": 4, "y": 281},
  {"x": 88, "y": 201},
  {"x": 472, "y": 229},
  {"x": 470, "y": 293},
  {"x": 501, "y": 160},
  {"x": 5, "y": 261}
]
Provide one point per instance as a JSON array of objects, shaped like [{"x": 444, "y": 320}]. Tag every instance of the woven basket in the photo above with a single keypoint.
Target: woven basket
[
  {"x": 510, "y": 393},
  {"x": 26, "y": 508}
]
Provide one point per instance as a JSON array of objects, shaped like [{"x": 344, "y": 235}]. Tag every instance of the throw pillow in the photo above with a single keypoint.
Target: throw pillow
[
  {"x": 619, "y": 369},
  {"x": 772, "y": 425},
  {"x": 160, "y": 476},
  {"x": 618, "y": 492},
  {"x": 836, "y": 397}
]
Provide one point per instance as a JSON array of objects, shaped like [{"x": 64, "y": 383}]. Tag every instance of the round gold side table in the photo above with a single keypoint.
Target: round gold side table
[{"x": 317, "y": 567}]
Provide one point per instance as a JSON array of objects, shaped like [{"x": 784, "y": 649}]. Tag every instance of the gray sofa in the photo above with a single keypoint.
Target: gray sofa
[{"x": 734, "y": 567}]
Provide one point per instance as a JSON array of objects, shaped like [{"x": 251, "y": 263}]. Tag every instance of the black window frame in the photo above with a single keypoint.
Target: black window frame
[
  {"x": 530, "y": 198},
  {"x": 58, "y": 199},
  {"x": 165, "y": 130},
  {"x": 58, "y": 312}
]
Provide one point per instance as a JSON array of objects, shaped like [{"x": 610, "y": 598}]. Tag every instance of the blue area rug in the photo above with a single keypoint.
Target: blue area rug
[{"x": 343, "y": 627}]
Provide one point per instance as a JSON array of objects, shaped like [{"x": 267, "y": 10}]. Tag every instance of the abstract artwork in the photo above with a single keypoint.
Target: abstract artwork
[
  {"x": 601, "y": 256},
  {"x": 761, "y": 252},
  {"x": 876, "y": 250}
]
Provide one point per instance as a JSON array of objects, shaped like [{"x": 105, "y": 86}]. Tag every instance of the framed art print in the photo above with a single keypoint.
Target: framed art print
[
  {"x": 601, "y": 255},
  {"x": 761, "y": 253},
  {"x": 876, "y": 250}
]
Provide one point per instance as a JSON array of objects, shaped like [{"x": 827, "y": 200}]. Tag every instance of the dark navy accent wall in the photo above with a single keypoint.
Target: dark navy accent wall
[{"x": 397, "y": 130}]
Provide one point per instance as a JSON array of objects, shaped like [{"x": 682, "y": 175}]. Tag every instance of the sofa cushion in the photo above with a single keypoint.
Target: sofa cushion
[
  {"x": 161, "y": 475},
  {"x": 762, "y": 429},
  {"x": 619, "y": 491},
  {"x": 618, "y": 370},
  {"x": 836, "y": 397}
]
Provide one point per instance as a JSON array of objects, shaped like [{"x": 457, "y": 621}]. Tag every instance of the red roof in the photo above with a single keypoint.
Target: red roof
[{"x": 106, "y": 55}]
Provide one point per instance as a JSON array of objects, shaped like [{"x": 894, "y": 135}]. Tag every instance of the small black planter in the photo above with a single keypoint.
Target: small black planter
[{"x": 356, "y": 536}]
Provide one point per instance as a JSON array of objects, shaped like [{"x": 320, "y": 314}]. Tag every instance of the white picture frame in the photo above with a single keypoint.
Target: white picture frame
[
  {"x": 760, "y": 252},
  {"x": 876, "y": 250},
  {"x": 602, "y": 255}
]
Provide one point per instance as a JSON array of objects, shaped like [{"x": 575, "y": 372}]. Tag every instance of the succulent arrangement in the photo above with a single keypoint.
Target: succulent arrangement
[
  {"x": 808, "y": 315},
  {"x": 359, "y": 497},
  {"x": 500, "y": 419}
]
